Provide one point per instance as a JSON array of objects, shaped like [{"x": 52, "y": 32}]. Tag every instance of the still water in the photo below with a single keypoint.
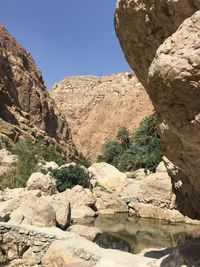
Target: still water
[{"x": 135, "y": 234}]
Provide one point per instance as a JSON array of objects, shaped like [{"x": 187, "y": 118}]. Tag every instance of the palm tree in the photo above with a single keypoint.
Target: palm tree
[{"x": 124, "y": 136}]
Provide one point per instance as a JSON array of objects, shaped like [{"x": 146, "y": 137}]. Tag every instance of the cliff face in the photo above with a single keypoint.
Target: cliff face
[
  {"x": 97, "y": 107},
  {"x": 161, "y": 42},
  {"x": 25, "y": 105}
]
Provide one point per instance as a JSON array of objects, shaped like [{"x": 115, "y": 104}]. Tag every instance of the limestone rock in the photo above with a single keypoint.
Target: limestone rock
[
  {"x": 63, "y": 214},
  {"x": 109, "y": 203},
  {"x": 96, "y": 107},
  {"x": 77, "y": 196},
  {"x": 155, "y": 189},
  {"x": 107, "y": 175},
  {"x": 175, "y": 68},
  {"x": 58, "y": 255},
  {"x": 142, "y": 26},
  {"x": 88, "y": 232},
  {"x": 40, "y": 181},
  {"x": 46, "y": 167},
  {"x": 34, "y": 211},
  {"x": 82, "y": 212},
  {"x": 160, "y": 42},
  {"x": 25, "y": 105},
  {"x": 62, "y": 209},
  {"x": 187, "y": 254}
]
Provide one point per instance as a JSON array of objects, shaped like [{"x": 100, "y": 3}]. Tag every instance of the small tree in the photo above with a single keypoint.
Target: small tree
[{"x": 68, "y": 177}]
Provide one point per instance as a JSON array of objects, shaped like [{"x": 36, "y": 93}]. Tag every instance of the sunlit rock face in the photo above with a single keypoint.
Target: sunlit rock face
[
  {"x": 160, "y": 40},
  {"x": 25, "y": 105},
  {"x": 97, "y": 107}
]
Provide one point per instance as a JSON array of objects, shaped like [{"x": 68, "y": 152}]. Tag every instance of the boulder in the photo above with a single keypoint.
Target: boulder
[
  {"x": 109, "y": 203},
  {"x": 62, "y": 209},
  {"x": 155, "y": 189},
  {"x": 34, "y": 211},
  {"x": 47, "y": 166},
  {"x": 63, "y": 213},
  {"x": 107, "y": 176},
  {"x": 186, "y": 254},
  {"x": 12, "y": 199},
  {"x": 143, "y": 26},
  {"x": 77, "y": 196},
  {"x": 175, "y": 71},
  {"x": 82, "y": 212},
  {"x": 40, "y": 181},
  {"x": 59, "y": 255},
  {"x": 88, "y": 232},
  {"x": 160, "y": 42}
]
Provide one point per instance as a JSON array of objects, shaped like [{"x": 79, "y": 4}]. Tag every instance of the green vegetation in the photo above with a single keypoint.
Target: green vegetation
[
  {"x": 29, "y": 154},
  {"x": 68, "y": 177},
  {"x": 6, "y": 142},
  {"x": 141, "y": 150}
]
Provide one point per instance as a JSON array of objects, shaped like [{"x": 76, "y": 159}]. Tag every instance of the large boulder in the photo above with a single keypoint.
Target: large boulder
[
  {"x": 161, "y": 43},
  {"x": 73, "y": 203},
  {"x": 77, "y": 196},
  {"x": 40, "y": 181},
  {"x": 59, "y": 255},
  {"x": 82, "y": 212},
  {"x": 63, "y": 212},
  {"x": 142, "y": 26},
  {"x": 186, "y": 254},
  {"x": 107, "y": 175},
  {"x": 34, "y": 211},
  {"x": 109, "y": 203},
  {"x": 155, "y": 189}
]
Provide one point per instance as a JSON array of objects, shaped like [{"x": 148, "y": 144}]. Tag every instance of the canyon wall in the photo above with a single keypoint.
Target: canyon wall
[
  {"x": 25, "y": 105},
  {"x": 97, "y": 107},
  {"x": 160, "y": 40}
]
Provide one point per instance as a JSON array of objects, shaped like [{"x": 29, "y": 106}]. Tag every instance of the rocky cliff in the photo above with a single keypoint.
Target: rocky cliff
[
  {"x": 97, "y": 107},
  {"x": 25, "y": 105},
  {"x": 161, "y": 43}
]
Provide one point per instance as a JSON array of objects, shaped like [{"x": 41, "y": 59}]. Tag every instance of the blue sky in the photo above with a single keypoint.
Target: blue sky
[{"x": 66, "y": 37}]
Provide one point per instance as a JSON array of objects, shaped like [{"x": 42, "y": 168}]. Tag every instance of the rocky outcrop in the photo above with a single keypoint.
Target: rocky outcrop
[
  {"x": 161, "y": 43},
  {"x": 42, "y": 182},
  {"x": 25, "y": 105},
  {"x": 97, "y": 107},
  {"x": 7, "y": 160},
  {"x": 49, "y": 247}
]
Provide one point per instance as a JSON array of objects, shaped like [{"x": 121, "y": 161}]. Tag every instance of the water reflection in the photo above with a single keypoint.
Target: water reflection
[{"x": 138, "y": 233}]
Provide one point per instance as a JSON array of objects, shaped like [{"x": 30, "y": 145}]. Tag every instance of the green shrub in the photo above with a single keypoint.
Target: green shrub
[
  {"x": 68, "y": 177},
  {"x": 84, "y": 162},
  {"x": 29, "y": 154},
  {"x": 6, "y": 142}
]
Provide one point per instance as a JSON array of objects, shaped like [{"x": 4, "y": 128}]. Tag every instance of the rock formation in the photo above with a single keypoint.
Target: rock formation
[
  {"x": 25, "y": 105},
  {"x": 161, "y": 43},
  {"x": 97, "y": 107}
]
